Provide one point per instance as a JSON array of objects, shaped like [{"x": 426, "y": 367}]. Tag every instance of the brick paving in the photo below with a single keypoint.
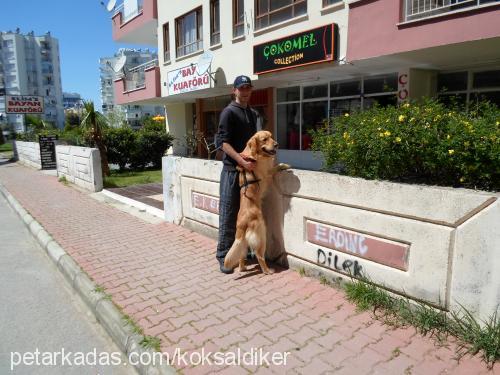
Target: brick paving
[{"x": 166, "y": 278}]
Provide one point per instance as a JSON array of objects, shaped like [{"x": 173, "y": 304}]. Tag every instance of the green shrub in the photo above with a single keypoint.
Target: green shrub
[
  {"x": 120, "y": 143},
  {"x": 424, "y": 143},
  {"x": 150, "y": 148}
]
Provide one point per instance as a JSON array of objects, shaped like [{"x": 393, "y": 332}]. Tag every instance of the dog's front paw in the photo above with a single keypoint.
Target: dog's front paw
[
  {"x": 269, "y": 271},
  {"x": 283, "y": 166}
]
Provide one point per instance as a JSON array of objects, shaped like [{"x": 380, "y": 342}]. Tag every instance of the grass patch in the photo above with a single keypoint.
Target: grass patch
[
  {"x": 135, "y": 328},
  {"x": 63, "y": 180},
  {"x": 151, "y": 342},
  {"x": 473, "y": 337},
  {"x": 128, "y": 178},
  {"x": 302, "y": 271},
  {"x": 6, "y": 147}
]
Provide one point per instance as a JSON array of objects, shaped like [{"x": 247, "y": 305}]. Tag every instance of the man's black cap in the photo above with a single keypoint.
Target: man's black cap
[{"x": 242, "y": 81}]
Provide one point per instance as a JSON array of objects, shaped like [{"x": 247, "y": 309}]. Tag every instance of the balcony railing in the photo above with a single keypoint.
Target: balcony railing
[
  {"x": 420, "y": 9},
  {"x": 135, "y": 78},
  {"x": 132, "y": 14}
]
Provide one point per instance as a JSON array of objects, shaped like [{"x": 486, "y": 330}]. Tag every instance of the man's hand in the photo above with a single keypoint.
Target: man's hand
[{"x": 248, "y": 164}]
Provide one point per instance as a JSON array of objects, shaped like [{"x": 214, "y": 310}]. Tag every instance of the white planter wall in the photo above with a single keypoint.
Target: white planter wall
[
  {"x": 80, "y": 166},
  {"x": 441, "y": 245}
]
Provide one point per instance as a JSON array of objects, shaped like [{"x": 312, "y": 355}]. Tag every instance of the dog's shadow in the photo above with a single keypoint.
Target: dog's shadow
[
  {"x": 275, "y": 204},
  {"x": 253, "y": 269}
]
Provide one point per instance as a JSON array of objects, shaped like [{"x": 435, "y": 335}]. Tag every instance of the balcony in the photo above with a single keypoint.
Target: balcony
[
  {"x": 136, "y": 26},
  {"x": 140, "y": 84},
  {"x": 423, "y": 9}
]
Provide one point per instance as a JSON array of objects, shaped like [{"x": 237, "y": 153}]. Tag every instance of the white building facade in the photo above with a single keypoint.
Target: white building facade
[
  {"x": 309, "y": 60},
  {"x": 133, "y": 112},
  {"x": 30, "y": 65}
]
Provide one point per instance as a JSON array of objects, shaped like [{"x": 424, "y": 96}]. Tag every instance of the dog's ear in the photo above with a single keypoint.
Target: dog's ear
[{"x": 252, "y": 146}]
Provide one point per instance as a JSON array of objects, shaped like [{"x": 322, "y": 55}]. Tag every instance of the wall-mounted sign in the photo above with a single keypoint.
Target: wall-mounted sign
[
  {"x": 403, "y": 86},
  {"x": 187, "y": 79},
  {"x": 390, "y": 253},
  {"x": 24, "y": 104},
  {"x": 308, "y": 47},
  {"x": 205, "y": 202},
  {"x": 48, "y": 151}
]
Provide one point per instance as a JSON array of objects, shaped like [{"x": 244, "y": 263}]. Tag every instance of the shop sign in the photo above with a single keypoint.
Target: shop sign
[
  {"x": 308, "y": 47},
  {"x": 24, "y": 104},
  {"x": 186, "y": 79},
  {"x": 205, "y": 202},
  {"x": 380, "y": 250},
  {"x": 403, "y": 86}
]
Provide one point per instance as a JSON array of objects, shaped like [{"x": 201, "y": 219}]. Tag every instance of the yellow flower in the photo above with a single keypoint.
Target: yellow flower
[
  {"x": 406, "y": 105},
  {"x": 346, "y": 115},
  {"x": 448, "y": 136},
  {"x": 380, "y": 134},
  {"x": 346, "y": 135},
  {"x": 451, "y": 152},
  {"x": 498, "y": 123},
  {"x": 412, "y": 119},
  {"x": 398, "y": 139},
  {"x": 401, "y": 118},
  {"x": 379, "y": 129},
  {"x": 462, "y": 179},
  {"x": 387, "y": 133}
]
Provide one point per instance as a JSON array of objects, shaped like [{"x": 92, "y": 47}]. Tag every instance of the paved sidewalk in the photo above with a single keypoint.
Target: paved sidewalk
[{"x": 166, "y": 278}]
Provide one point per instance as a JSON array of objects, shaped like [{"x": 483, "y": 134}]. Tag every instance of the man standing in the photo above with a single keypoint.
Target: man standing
[{"x": 238, "y": 123}]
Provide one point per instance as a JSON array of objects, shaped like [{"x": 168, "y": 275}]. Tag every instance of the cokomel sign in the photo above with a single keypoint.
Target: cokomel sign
[
  {"x": 308, "y": 47},
  {"x": 24, "y": 104}
]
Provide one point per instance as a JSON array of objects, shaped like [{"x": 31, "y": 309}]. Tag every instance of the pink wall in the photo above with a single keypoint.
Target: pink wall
[
  {"x": 149, "y": 12},
  {"x": 151, "y": 90},
  {"x": 373, "y": 29}
]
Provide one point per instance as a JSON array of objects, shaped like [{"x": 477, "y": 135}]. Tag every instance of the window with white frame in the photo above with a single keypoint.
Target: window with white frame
[
  {"x": 189, "y": 33},
  {"x": 301, "y": 109},
  {"x": 238, "y": 18},
  {"x": 327, "y": 3},
  {"x": 214, "y": 22},
  {"x": 271, "y": 12}
]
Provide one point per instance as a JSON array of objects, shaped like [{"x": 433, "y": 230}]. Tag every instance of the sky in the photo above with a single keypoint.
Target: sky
[{"x": 83, "y": 28}]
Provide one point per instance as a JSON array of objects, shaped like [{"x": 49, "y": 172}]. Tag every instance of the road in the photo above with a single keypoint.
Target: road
[{"x": 41, "y": 318}]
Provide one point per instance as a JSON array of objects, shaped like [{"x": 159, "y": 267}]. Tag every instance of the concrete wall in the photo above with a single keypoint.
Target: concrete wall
[
  {"x": 434, "y": 244},
  {"x": 80, "y": 166},
  {"x": 29, "y": 154}
]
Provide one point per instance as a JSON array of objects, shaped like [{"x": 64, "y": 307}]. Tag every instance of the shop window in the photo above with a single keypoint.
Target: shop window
[
  {"x": 452, "y": 81},
  {"x": 238, "y": 18},
  {"x": 288, "y": 135},
  {"x": 487, "y": 79},
  {"x": 348, "y": 88},
  {"x": 380, "y": 100},
  {"x": 166, "y": 43},
  {"x": 340, "y": 107},
  {"x": 318, "y": 91},
  {"x": 189, "y": 33},
  {"x": 378, "y": 84},
  {"x": 271, "y": 12},
  {"x": 313, "y": 116},
  {"x": 288, "y": 94},
  {"x": 214, "y": 22},
  {"x": 490, "y": 96}
]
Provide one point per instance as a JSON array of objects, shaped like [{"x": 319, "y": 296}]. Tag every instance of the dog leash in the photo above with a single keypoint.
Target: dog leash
[{"x": 246, "y": 182}]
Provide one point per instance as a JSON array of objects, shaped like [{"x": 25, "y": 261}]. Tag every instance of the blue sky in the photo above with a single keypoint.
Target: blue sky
[{"x": 83, "y": 28}]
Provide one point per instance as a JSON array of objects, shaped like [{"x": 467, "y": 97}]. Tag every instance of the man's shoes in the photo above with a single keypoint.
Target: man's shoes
[{"x": 223, "y": 269}]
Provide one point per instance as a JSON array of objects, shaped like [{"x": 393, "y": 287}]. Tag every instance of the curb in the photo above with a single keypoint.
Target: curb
[
  {"x": 106, "y": 313},
  {"x": 132, "y": 202}
]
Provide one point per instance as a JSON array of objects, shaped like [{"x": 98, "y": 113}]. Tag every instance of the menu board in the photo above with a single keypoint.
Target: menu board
[{"x": 48, "y": 151}]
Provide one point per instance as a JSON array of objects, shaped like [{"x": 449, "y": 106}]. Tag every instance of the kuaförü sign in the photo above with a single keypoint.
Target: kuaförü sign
[
  {"x": 22, "y": 104},
  {"x": 308, "y": 47},
  {"x": 186, "y": 79}
]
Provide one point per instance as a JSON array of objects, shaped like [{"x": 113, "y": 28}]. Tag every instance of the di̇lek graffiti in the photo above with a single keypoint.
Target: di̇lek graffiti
[{"x": 347, "y": 266}]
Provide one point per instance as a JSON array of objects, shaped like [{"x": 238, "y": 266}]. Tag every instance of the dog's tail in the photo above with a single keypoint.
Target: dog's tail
[{"x": 235, "y": 253}]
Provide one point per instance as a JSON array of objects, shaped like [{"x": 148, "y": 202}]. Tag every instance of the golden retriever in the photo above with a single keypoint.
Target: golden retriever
[{"x": 250, "y": 225}]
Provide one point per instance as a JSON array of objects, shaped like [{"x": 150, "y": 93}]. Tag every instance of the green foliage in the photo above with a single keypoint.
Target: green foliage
[
  {"x": 151, "y": 143},
  {"x": 424, "y": 143},
  {"x": 127, "y": 178},
  {"x": 151, "y": 342},
  {"x": 120, "y": 142}
]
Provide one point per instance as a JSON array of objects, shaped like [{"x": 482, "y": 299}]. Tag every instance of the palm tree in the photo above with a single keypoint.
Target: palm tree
[{"x": 95, "y": 122}]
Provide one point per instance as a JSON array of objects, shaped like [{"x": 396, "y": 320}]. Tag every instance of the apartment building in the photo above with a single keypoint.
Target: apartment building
[
  {"x": 133, "y": 60},
  {"x": 309, "y": 60},
  {"x": 72, "y": 100},
  {"x": 30, "y": 65}
]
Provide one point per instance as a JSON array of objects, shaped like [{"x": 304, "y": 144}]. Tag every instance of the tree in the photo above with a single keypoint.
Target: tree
[
  {"x": 95, "y": 122},
  {"x": 116, "y": 118}
]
